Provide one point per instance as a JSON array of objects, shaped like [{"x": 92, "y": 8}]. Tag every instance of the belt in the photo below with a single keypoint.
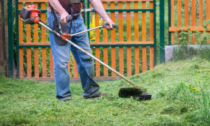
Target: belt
[{"x": 75, "y": 16}]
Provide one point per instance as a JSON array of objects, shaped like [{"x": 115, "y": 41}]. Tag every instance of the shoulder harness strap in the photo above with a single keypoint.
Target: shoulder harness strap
[{"x": 75, "y": 1}]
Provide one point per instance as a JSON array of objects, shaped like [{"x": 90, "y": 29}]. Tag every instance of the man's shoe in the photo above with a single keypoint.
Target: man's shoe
[
  {"x": 97, "y": 96},
  {"x": 66, "y": 99}
]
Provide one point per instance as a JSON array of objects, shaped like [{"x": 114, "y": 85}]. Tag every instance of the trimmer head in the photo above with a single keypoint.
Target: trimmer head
[
  {"x": 134, "y": 92},
  {"x": 144, "y": 97},
  {"x": 130, "y": 92}
]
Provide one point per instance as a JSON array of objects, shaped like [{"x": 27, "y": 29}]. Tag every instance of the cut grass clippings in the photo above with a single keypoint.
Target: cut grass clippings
[{"x": 180, "y": 96}]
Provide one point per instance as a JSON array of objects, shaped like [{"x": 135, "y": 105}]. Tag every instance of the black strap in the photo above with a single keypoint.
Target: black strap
[
  {"x": 75, "y": 1},
  {"x": 55, "y": 17},
  {"x": 52, "y": 10},
  {"x": 72, "y": 16}
]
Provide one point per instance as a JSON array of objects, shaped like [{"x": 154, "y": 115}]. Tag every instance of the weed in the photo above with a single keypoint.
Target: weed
[
  {"x": 206, "y": 106},
  {"x": 201, "y": 39}
]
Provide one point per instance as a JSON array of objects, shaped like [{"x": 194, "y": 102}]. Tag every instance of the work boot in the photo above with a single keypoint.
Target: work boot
[
  {"x": 97, "y": 96},
  {"x": 65, "y": 99}
]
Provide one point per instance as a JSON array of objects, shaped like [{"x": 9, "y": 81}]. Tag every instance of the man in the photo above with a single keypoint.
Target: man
[{"x": 60, "y": 53}]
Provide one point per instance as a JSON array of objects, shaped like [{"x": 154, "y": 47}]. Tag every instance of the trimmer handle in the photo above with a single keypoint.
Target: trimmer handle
[
  {"x": 106, "y": 25},
  {"x": 69, "y": 18},
  {"x": 30, "y": 14}
]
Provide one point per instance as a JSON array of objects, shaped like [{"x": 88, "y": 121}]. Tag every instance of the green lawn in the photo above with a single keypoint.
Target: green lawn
[{"x": 181, "y": 96}]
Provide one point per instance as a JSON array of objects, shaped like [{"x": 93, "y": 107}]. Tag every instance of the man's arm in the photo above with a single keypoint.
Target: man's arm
[
  {"x": 58, "y": 7},
  {"x": 97, "y": 5}
]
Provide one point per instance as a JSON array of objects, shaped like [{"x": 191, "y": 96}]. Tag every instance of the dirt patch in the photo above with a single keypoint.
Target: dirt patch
[{"x": 1, "y": 92}]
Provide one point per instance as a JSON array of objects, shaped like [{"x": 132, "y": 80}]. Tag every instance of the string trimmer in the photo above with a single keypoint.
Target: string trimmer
[{"x": 30, "y": 15}]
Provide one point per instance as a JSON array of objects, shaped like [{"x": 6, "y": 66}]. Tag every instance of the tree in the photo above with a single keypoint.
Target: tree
[{"x": 3, "y": 40}]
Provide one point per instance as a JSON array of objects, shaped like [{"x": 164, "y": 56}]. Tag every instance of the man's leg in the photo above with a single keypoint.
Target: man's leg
[
  {"x": 85, "y": 63},
  {"x": 60, "y": 59}
]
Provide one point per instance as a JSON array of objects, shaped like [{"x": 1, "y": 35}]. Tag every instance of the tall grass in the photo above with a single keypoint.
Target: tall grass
[{"x": 206, "y": 106}]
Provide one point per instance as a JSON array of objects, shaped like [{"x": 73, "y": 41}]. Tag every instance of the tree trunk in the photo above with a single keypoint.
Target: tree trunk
[{"x": 3, "y": 49}]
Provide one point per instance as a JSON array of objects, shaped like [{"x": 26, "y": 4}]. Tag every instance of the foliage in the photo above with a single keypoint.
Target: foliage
[
  {"x": 92, "y": 25},
  {"x": 201, "y": 38},
  {"x": 180, "y": 96},
  {"x": 205, "y": 36},
  {"x": 183, "y": 38}
]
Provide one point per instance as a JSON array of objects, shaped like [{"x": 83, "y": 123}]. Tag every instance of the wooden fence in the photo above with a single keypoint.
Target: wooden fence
[
  {"x": 188, "y": 15},
  {"x": 130, "y": 48}
]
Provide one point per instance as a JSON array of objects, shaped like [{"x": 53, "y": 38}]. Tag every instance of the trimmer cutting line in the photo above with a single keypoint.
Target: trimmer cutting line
[{"x": 31, "y": 15}]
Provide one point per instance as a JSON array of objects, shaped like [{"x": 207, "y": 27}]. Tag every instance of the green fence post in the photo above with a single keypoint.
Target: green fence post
[
  {"x": 169, "y": 21},
  {"x": 10, "y": 38},
  {"x": 162, "y": 54},
  {"x": 88, "y": 18},
  {"x": 155, "y": 44},
  {"x": 17, "y": 38}
]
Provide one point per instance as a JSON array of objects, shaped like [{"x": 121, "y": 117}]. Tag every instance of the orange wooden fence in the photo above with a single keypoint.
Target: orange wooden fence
[
  {"x": 130, "y": 48},
  {"x": 188, "y": 15}
]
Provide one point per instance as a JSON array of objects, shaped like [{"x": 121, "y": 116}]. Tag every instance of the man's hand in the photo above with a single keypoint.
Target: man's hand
[
  {"x": 110, "y": 22},
  {"x": 63, "y": 15},
  {"x": 57, "y": 6},
  {"x": 97, "y": 5}
]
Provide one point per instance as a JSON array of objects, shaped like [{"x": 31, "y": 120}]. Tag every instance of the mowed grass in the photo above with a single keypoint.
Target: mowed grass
[{"x": 180, "y": 90}]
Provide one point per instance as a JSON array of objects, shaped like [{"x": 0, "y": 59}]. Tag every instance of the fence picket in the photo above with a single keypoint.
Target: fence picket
[
  {"x": 151, "y": 35},
  {"x": 186, "y": 7},
  {"x": 120, "y": 26},
  {"x": 179, "y": 9},
  {"x": 144, "y": 59},
  {"x": 44, "y": 56},
  {"x": 186, "y": 14},
  {"x": 36, "y": 51},
  {"x": 136, "y": 37},
  {"x": 144, "y": 38},
  {"x": 172, "y": 21},
  {"x": 113, "y": 49},
  {"x": 179, "y": 17},
  {"x": 28, "y": 50},
  {"x": 193, "y": 19},
  {"x": 69, "y": 69},
  {"x": 97, "y": 40},
  {"x": 75, "y": 71},
  {"x": 105, "y": 49},
  {"x": 200, "y": 13},
  {"x": 21, "y": 69},
  {"x": 128, "y": 21}
]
